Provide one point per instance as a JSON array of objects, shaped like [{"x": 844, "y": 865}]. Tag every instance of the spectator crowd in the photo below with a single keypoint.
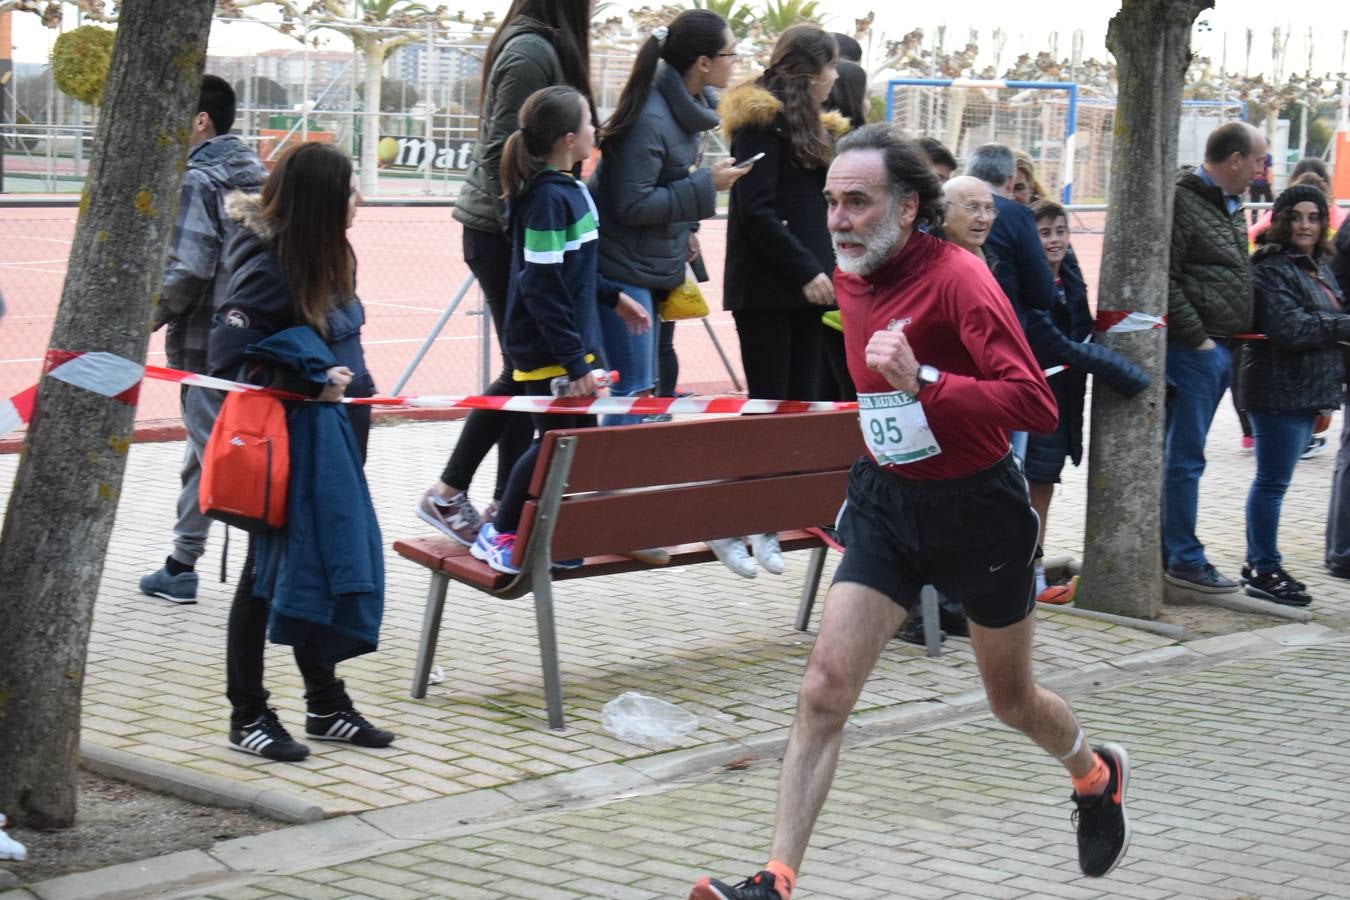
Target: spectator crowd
[{"x": 261, "y": 288}]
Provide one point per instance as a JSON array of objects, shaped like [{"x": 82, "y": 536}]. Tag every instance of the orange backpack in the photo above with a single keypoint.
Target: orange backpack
[{"x": 247, "y": 464}]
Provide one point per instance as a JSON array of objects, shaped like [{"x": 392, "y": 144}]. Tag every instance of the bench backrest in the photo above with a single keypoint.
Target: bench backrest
[{"x": 661, "y": 485}]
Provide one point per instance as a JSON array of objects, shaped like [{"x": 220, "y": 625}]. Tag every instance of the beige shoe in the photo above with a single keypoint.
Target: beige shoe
[{"x": 656, "y": 556}]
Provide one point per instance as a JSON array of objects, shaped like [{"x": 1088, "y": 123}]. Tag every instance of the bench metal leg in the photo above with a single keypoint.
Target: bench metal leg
[
  {"x": 548, "y": 649},
  {"x": 814, "y": 567},
  {"x": 431, "y": 630},
  {"x": 932, "y": 629}
]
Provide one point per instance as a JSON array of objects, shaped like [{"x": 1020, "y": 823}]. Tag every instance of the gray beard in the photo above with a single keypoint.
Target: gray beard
[{"x": 878, "y": 246}]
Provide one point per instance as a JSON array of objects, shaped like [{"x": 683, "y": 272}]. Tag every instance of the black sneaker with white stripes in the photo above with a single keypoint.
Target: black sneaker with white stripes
[
  {"x": 346, "y": 725},
  {"x": 267, "y": 738}
]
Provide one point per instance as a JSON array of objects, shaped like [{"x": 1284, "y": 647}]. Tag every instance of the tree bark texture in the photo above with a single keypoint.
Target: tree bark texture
[
  {"x": 1122, "y": 563},
  {"x": 64, "y": 498},
  {"x": 372, "y": 52}
]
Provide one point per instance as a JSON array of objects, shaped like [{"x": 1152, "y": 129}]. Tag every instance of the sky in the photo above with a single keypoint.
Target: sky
[{"x": 1028, "y": 26}]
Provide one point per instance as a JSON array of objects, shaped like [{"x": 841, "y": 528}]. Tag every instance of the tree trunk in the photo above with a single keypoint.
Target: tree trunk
[
  {"x": 65, "y": 494},
  {"x": 373, "y": 52},
  {"x": 1122, "y": 563}
]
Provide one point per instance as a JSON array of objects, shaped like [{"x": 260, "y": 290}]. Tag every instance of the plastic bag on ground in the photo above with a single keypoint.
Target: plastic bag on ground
[{"x": 639, "y": 719}]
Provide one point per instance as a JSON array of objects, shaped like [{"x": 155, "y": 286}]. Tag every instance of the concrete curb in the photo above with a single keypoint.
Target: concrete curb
[
  {"x": 199, "y": 787},
  {"x": 1175, "y": 632}
]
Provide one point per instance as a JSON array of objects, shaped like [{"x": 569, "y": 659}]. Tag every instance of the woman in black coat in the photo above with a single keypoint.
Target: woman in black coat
[
  {"x": 1290, "y": 376},
  {"x": 779, "y": 256}
]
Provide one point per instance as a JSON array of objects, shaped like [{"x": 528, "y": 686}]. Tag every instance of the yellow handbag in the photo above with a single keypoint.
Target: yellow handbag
[{"x": 685, "y": 301}]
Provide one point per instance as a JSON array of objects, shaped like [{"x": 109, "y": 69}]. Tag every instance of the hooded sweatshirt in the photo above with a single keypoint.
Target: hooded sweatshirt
[{"x": 194, "y": 281}]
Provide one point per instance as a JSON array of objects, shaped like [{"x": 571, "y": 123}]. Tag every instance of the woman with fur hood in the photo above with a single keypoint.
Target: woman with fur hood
[{"x": 779, "y": 255}]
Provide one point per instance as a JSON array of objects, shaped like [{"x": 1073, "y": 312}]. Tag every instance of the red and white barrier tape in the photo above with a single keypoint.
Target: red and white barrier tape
[
  {"x": 1119, "y": 321},
  {"x": 113, "y": 376}
]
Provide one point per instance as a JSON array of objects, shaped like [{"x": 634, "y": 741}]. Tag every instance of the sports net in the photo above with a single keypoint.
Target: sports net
[{"x": 1039, "y": 119}]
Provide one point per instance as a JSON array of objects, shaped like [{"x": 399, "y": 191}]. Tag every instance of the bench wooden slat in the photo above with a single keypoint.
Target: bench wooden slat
[
  {"x": 736, "y": 447},
  {"x": 637, "y": 519},
  {"x": 457, "y": 563}
]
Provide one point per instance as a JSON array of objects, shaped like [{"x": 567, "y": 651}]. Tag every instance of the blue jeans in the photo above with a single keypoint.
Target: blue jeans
[
  {"x": 633, "y": 355},
  {"x": 1019, "y": 439},
  {"x": 1281, "y": 437},
  {"x": 1199, "y": 378}
]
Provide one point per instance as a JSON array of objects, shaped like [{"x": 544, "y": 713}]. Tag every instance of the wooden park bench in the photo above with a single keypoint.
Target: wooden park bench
[{"x": 598, "y": 493}]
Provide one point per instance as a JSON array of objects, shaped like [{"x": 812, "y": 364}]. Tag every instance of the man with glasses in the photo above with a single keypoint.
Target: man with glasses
[
  {"x": 969, "y": 214},
  {"x": 1023, "y": 274}
]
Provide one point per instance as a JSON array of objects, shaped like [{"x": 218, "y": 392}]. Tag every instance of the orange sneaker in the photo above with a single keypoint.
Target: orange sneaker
[{"x": 1059, "y": 594}]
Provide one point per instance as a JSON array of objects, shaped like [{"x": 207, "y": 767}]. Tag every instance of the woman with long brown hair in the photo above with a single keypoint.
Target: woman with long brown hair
[
  {"x": 540, "y": 43},
  {"x": 779, "y": 256},
  {"x": 291, "y": 320}
]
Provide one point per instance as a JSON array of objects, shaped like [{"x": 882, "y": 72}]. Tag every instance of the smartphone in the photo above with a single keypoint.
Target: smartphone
[{"x": 747, "y": 163}]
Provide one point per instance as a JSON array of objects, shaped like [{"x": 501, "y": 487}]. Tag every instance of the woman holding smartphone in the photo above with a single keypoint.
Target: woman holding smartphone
[{"x": 649, "y": 188}]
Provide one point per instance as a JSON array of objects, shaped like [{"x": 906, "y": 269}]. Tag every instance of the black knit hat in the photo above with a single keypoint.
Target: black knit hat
[{"x": 1302, "y": 193}]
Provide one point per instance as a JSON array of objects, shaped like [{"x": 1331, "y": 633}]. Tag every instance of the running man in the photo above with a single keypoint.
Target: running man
[{"x": 941, "y": 501}]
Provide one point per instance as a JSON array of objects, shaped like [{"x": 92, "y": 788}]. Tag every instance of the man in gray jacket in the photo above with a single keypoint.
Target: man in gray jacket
[
  {"x": 1209, "y": 300},
  {"x": 194, "y": 286}
]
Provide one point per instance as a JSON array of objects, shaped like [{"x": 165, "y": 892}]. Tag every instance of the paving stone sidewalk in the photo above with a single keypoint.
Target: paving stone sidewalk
[
  {"x": 721, "y": 646},
  {"x": 1236, "y": 793}
]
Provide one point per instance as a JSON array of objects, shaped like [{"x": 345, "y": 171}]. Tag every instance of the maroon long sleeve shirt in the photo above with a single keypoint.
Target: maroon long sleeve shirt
[{"x": 956, "y": 319}]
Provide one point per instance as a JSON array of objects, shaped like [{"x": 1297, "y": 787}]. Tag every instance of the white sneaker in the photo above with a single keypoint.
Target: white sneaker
[
  {"x": 767, "y": 553},
  {"x": 10, "y": 848},
  {"x": 735, "y": 555}
]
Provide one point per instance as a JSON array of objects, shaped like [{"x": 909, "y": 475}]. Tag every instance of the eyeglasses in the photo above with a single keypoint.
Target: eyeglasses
[{"x": 975, "y": 209}]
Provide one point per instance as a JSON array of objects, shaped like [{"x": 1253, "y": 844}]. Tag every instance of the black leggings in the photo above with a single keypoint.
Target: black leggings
[
  {"x": 518, "y": 488},
  {"x": 668, "y": 363},
  {"x": 246, "y": 639},
  {"x": 781, "y": 351},
  {"x": 489, "y": 258}
]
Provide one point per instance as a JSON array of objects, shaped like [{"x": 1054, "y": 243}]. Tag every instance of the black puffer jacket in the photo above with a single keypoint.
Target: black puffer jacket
[
  {"x": 649, "y": 189},
  {"x": 1210, "y": 283},
  {"x": 1299, "y": 367}
]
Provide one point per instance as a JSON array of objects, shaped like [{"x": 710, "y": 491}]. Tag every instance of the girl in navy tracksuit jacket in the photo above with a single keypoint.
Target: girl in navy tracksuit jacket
[{"x": 552, "y": 324}]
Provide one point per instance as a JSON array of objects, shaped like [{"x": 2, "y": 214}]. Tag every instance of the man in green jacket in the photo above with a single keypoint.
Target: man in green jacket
[{"x": 1209, "y": 300}]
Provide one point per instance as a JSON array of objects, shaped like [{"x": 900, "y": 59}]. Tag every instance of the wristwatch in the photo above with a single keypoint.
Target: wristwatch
[{"x": 927, "y": 375}]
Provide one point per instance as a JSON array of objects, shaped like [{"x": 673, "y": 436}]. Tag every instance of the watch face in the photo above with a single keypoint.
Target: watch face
[{"x": 928, "y": 375}]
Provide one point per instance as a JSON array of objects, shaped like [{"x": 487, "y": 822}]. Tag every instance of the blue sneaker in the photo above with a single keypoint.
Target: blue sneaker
[
  {"x": 563, "y": 565},
  {"x": 180, "y": 588},
  {"x": 495, "y": 548}
]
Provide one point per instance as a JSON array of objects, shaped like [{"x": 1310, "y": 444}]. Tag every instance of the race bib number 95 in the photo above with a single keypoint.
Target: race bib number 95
[{"x": 895, "y": 428}]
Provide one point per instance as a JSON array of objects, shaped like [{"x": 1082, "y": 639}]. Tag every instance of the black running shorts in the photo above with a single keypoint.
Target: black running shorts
[{"x": 972, "y": 538}]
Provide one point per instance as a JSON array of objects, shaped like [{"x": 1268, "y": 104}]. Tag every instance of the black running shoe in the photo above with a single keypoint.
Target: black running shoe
[
  {"x": 1103, "y": 827},
  {"x": 1247, "y": 573},
  {"x": 1277, "y": 586},
  {"x": 346, "y": 725},
  {"x": 756, "y": 887},
  {"x": 267, "y": 738}
]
